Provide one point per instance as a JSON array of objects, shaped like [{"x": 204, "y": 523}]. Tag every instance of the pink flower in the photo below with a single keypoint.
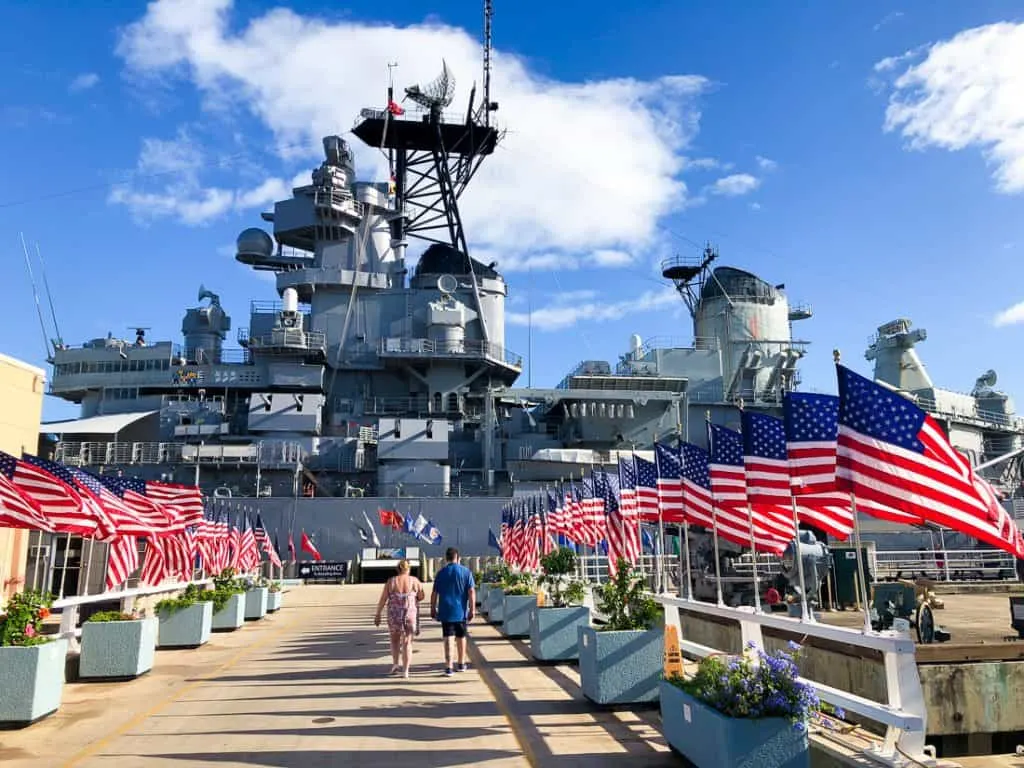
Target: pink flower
[{"x": 30, "y": 631}]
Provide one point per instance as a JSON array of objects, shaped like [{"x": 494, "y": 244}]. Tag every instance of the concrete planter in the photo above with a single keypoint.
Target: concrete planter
[
  {"x": 33, "y": 682},
  {"x": 705, "y": 736},
  {"x": 119, "y": 650},
  {"x": 515, "y": 614},
  {"x": 620, "y": 667},
  {"x": 481, "y": 594},
  {"x": 553, "y": 632},
  {"x": 496, "y": 605},
  {"x": 187, "y": 627},
  {"x": 274, "y": 601},
  {"x": 256, "y": 603},
  {"x": 231, "y": 616}
]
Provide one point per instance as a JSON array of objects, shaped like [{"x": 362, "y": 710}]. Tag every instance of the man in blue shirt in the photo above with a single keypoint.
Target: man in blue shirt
[{"x": 451, "y": 602}]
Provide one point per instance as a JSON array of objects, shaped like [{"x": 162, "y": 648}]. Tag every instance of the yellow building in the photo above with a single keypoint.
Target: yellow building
[{"x": 21, "y": 409}]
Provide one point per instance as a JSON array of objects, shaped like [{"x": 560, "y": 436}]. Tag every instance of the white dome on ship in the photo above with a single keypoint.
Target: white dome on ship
[{"x": 255, "y": 242}]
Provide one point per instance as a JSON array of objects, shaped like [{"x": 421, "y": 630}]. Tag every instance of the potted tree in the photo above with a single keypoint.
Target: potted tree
[
  {"x": 31, "y": 663},
  {"x": 228, "y": 597},
  {"x": 187, "y": 620},
  {"x": 519, "y": 597},
  {"x": 117, "y": 646},
  {"x": 553, "y": 624},
  {"x": 274, "y": 594},
  {"x": 751, "y": 710},
  {"x": 256, "y": 594},
  {"x": 620, "y": 662}
]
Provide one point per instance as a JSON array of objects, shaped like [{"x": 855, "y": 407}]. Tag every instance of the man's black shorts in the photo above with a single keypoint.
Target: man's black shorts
[{"x": 453, "y": 629}]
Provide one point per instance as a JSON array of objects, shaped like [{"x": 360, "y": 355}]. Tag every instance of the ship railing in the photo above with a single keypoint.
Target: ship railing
[
  {"x": 945, "y": 565},
  {"x": 287, "y": 339},
  {"x": 974, "y": 414},
  {"x": 267, "y": 307},
  {"x": 397, "y": 346},
  {"x": 339, "y": 199}
]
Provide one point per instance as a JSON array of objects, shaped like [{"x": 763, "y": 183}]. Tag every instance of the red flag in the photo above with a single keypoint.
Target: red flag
[
  {"x": 307, "y": 546},
  {"x": 395, "y": 108},
  {"x": 291, "y": 545}
]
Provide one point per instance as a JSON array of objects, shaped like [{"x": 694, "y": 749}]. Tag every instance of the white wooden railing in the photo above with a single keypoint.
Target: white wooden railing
[
  {"x": 69, "y": 606},
  {"x": 903, "y": 715}
]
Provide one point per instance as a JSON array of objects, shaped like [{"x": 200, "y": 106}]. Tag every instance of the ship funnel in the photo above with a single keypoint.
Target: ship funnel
[{"x": 291, "y": 300}]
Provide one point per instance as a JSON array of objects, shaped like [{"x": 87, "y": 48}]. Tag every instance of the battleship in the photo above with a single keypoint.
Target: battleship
[{"x": 378, "y": 378}]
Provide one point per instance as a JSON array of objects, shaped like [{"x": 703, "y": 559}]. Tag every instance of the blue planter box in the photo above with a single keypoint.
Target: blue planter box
[
  {"x": 33, "y": 682},
  {"x": 709, "y": 739},
  {"x": 481, "y": 594},
  {"x": 117, "y": 649},
  {"x": 231, "y": 616},
  {"x": 515, "y": 614},
  {"x": 620, "y": 667},
  {"x": 553, "y": 632},
  {"x": 185, "y": 628},
  {"x": 496, "y": 605},
  {"x": 274, "y": 601},
  {"x": 256, "y": 603}
]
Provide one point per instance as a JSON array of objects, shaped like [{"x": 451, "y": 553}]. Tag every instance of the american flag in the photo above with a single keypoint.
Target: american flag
[
  {"x": 617, "y": 547},
  {"x": 51, "y": 485},
  {"x": 767, "y": 472},
  {"x": 18, "y": 510},
  {"x": 164, "y": 519},
  {"x": 187, "y": 500},
  {"x": 646, "y": 489},
  {"x": 891, "y": 452},
  {"x": 669, "y": 462},
  {"x": 628, "y": 516},
  {"x": 154, "y": 565},
  {"x": 729, "y": 489},
  {"x": 123, "y": 518},
  {"x": 696, "y": 479},
  {"x": 122, "y": 561},
  {"x": 263, "y": 540}
]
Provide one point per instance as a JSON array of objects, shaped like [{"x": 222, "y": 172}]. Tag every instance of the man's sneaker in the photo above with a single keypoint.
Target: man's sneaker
[
  {"x": 448, "y": 672},
  {"x": 463, "y": 667}
]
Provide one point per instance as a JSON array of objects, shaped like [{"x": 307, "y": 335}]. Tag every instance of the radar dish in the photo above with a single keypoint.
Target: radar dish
[
  {"x": 987, "y": 379},
  {"x": 447, "y": 284},
  {"x": 437, "y": 94}
]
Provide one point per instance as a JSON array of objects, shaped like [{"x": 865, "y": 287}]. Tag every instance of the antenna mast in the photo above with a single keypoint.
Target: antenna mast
[
  {"x": 488, "y": 13},
  {"x": 35, "y": 295},
  {"x": 49, "y": 296}
]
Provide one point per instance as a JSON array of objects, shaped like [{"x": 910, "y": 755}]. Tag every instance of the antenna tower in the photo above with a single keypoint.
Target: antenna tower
[{"x": 689, "y": 273}]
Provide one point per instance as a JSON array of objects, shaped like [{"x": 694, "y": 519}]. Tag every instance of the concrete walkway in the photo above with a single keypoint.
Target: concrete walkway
[{"x": 308, "y": 687}]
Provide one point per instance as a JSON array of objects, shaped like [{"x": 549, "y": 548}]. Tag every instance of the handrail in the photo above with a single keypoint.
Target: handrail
[
  {"x": 904, "y": 714},
  {"x": 69, "y": 606}
]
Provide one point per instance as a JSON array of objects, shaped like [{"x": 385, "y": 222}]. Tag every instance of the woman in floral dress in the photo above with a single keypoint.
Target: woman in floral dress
[{"x": 401, "y": 596}]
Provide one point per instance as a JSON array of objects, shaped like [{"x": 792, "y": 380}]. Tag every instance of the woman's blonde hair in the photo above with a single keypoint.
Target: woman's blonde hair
[{"x": 403, "y": 566}]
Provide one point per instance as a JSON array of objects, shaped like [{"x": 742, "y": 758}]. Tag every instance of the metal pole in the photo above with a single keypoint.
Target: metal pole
[
  {"x": 718, "y": 573},
  {"x": 860, "y": 573},
  {"x": 753, "y": 559},
  {"x": 84, "y": 573},
  {"x": 684, "y": 544},
  {"x": 805, "y": 614},
  {"x": 64, "y": 567}
]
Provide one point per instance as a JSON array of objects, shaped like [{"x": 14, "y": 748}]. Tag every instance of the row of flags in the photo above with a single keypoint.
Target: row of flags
[
  {"x": 418, "y": 527},
  {"x": 868, "y": 449},
  {"x": 180, "y": 535}
]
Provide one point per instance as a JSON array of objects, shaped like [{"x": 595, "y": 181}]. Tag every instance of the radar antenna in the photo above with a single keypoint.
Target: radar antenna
[
  {"x": 435, "y": 95},
  {"x": 689, "y": 274},
  {"x": 204, "y": 293}
]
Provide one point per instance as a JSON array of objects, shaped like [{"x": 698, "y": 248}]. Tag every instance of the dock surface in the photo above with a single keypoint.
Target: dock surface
[{"x": 308, "y": 687}]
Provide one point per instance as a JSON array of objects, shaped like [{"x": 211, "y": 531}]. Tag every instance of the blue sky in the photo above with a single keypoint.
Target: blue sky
[{"x": 634, "y": 133}]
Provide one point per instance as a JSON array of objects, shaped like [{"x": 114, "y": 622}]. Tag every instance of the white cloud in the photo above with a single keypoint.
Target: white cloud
[
  {"x": 610, "y": 258},
  {"x": 967, "y": 91},
  {"x": 889, "y": 18},
  {"x": 1010, "y": 316},
  {"x": 84, "y": 82},
  {"x": 755, "y": 206},
  {"x": 566, "y": 310},
  {"x": 701, "y": 163},
  {"x": 585, "y": 167},
  {"x": 735, "y": 185},
  {"x": 766, "y": 164},
  {"x": 173, "y": 168}
]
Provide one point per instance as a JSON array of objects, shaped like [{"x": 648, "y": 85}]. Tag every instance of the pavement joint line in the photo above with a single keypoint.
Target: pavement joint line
[
  {"x": 90, "y": 750},
  {"x": 491, "y": 680}
]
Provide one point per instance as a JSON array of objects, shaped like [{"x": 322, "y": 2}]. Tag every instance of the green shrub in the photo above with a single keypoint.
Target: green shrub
[
  {"x": 623, "y": 601},
  {"x": 22, "y": 625},
  {"x": 557, "y": 567},
  {"x": 107, "y": 616}
]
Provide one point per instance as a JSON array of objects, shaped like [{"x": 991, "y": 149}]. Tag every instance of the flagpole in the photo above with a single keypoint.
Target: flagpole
[
  {"x": 860, "y": 580},
  {"x": 805, "y": 614},
  {"x": 683, "y": 536},
  {"x": 714, "y": 522}
]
